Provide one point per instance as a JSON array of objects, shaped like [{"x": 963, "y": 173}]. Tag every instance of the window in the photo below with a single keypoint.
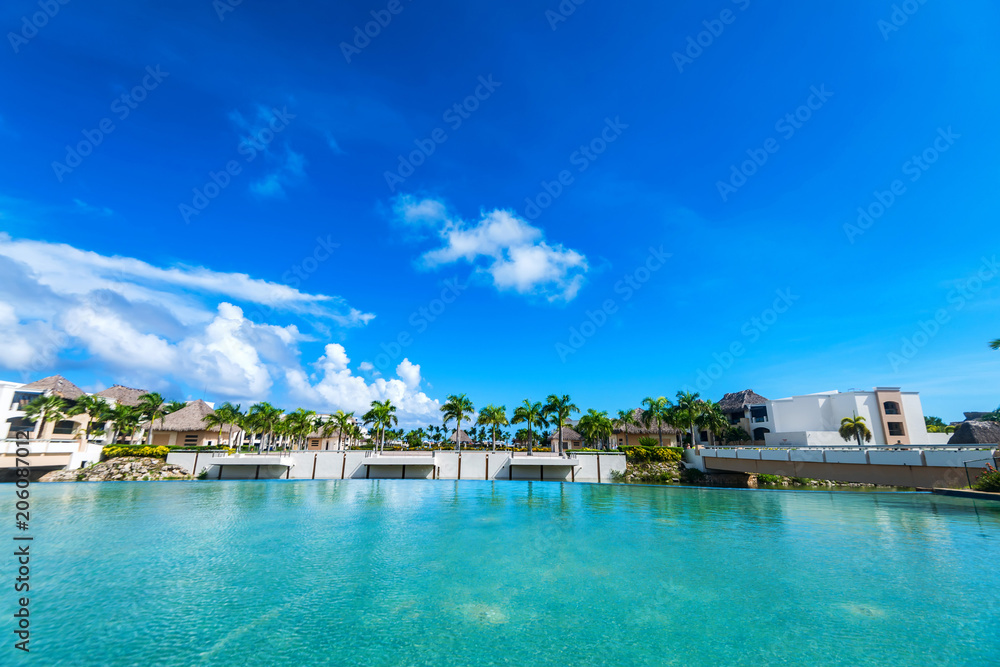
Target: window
[
  {"x": 896, "y": 428},
  {"x": 891, "y": 408},
  {"x": 703, "y": 436},
  {"x": 65, "y": 427},
  {"x": 314, "y": 443},
  {"x": 191, "y": 439}
]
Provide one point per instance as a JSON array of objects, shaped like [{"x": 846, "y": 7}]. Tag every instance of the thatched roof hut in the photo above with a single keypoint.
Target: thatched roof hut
[
  {"x": 122, "y": 395},
  {"x": 189, "y": 418},
  {"x": 976, "y": 433},
  {"x": 463, "y": 437},
  {"x": 740, "y": 400},
  {"x": 57, "y": 385},
  {"x": 568, "y": 435},
  {"x": 641, "y": 429}
]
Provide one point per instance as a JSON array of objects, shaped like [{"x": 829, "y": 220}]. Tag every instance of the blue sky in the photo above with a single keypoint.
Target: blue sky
[{"x": 643, "y": 262}]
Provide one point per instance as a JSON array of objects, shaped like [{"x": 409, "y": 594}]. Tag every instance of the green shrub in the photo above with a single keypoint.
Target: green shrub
[
  {"x": 769, "y": 479},
  {"x": 988, "y": 481},
  {"x": 114, "y": 451},
  {"x": 648, "y": 441},
  {"x": 652, "y": 454}
]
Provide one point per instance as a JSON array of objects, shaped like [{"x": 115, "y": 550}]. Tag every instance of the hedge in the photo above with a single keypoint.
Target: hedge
[
  {"x": 640, "y": 454},
  {"x": 111, "y": 452}
]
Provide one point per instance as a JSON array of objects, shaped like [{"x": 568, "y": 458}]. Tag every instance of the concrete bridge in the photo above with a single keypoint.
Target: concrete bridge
[{"x": 914, "y": 466}]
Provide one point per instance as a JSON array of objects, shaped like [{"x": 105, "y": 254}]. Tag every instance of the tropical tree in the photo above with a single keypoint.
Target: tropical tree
[
  {"x": 45, "y": 408},
  {"x": 493, "y": 416},
  {"x": 712, "y": 420},
  {"x": 657, "y": 411},
  {"x": 124, "y": 419},
  {"x": 557, "y": 410},
  {"x": 95, "y": 407},
  {"x": 342, "y": 422},
  {"x": 298, "y": 425},
  {"x": 531, "y": 414},
  {"x": 735, "y": 434},
  {"x": 264, "y": 419},
  {"x": 173, "y": 406},
  {"x": 381, "y": 416},
  {"x": 231, "y": 416},
  {"x": 151, "y": 406},
  {"x": 855, "y": 427},
  {"x": 995, "y": 344},
  {"x": 624, "y": 419},
  {"x": 459, "y": 408},
  {"x": 214, "y": 420},
  {"x": 687, "y": 409},
  {"x": 595, "y": 427}
]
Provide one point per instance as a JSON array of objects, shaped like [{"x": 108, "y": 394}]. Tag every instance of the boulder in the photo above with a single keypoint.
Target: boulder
[{"x": 976, "y": 433}]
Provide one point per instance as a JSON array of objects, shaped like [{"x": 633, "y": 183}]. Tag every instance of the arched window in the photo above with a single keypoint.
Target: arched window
[{"x": 891, "y": 408}]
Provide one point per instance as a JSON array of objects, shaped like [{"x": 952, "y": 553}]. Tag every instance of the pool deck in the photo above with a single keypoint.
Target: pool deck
[{"x": 966, "y": 493}]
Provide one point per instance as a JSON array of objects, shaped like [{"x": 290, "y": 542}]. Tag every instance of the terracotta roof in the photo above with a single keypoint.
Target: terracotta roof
[
  {"x": 567, "y": 435},
  {"x": 188, "y": 418},
  {"x": 737, "y": 401},
  {"x": 55, "y": 384},
  {"x": 122, "y": 395}
]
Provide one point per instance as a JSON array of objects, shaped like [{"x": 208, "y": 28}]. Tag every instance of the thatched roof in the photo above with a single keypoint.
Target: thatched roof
[
  {"x": 739, "y": 400},
  {"x": 641, "y": 429},
  {"x": 567, "y": 435},
  {"x": 463, "y": 437},
  {"x": 976, "y": 433},
  {"x": 55, "y": 384},
  {"x": 122, "y": 395},
  {"x": 189, "y": 418}
]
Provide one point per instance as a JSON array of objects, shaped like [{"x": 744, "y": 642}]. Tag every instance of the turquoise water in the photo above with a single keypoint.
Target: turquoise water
[{"x": 400, "y": 572}]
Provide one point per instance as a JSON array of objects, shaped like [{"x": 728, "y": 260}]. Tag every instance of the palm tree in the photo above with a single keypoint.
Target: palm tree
[
  {"x": 381, "y": 415},
  {"x": 124, "y": 419},
  {"x": 657, "y": 412},
  {"x": 231, "y": 416},
  {"x": 174, "y": 406},
  {"x": 298, "y": 425},
  {"x": 215, "y": 420},
  {"x": 342, "y": 421},
  {"x": 687, "y": 409},
  {"x": 625, "y": 419},
  {"x": 44, "y": 408},
  {"x": 557, "y": 411},
  {"x": 595, "y": 427},
  {"x": 713, "y": 420},
  {"x": 151, "y": 406},
  {"x": 532, "y": 414},
  {"x": 855, "y": 428},
  {"x": 265, "y": 419},
  {"x": 458, "y": 407},
  {"x": 493, "y": 416},
  {"x": 95, "y": 407},
  {"x": 995, "y": 344}
]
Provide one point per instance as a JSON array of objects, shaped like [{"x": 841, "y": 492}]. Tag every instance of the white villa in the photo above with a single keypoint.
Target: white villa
[{"x": 893, "y": 416}]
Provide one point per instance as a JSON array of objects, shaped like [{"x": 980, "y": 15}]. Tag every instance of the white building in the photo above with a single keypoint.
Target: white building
[{"x": 894, "y": 417}]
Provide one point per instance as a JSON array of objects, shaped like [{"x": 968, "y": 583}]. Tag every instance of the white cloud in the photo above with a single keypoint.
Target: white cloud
[
  {"x": 511, "y": 251},
  {"x": 334, "y": 386}
]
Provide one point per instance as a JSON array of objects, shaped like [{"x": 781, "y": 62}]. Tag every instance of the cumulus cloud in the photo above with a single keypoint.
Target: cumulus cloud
[
  {"x": 508, "y": 249},
  {"x": 334, "y": 384}
]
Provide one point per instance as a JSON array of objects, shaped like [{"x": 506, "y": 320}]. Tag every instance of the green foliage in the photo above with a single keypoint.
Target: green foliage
[
  {"x": 988, "y": 481},
  {"x": 648, "y": 441},
  {"x": 769, "y": 479},
  {"x": 643, "y": 454},
  {"x": 113, "y": 451},
  {"x": 735, "y": 434}
]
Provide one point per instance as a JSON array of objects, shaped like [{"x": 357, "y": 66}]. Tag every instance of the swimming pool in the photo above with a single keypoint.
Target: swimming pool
[{"x": 401, "y": 572}]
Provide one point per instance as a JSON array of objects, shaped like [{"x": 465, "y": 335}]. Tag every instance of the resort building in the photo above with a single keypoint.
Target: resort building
[
  {"x": 571, "y": 439},
  {"x": 894, "y": 417},
  {"x": 186, "y": 428},
  {"x": 122, "y": 395},
  {"x": 630, "y": 434},
  {"x": 747, "y": 410},
  {"x": 15, "y": 397}
]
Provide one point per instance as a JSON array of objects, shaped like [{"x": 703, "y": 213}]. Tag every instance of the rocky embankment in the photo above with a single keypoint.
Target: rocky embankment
[
  {"x": 122, "y": 469},
  {"x": 652, "y": 473}
]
